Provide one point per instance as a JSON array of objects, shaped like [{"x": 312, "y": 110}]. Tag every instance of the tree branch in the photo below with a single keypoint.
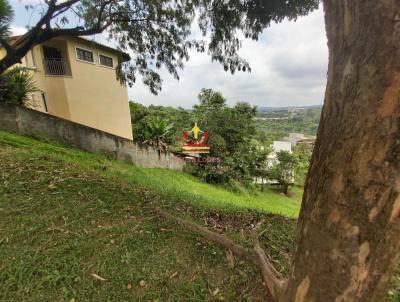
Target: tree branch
[
  {"x": 272, "y": 278},
  {"x": 66, "y": 4},
  {"x": 80, "y": 31},
  {"x": 60, "y": 12},
  {"x": 215, "y": 237},
  {"x": 6, "y": 46},
  {"x": 42, "y": 32}
]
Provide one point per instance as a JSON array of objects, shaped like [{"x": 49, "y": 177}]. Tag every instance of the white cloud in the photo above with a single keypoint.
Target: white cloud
[
  {"x": 17, "y": 30},
  {"x": 288, "y": 64}
]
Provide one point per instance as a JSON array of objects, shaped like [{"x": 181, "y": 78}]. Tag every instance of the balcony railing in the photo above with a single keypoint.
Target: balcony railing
[{"x": 56, "y": 67}]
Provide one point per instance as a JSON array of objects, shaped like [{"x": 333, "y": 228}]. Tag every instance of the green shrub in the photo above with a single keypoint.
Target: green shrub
[
  {"x": 7, "y": 89},
  {"x": 16, "y": 86},
  {"x": 212, "y": 173},
  {"x": 235, "y": 187}
]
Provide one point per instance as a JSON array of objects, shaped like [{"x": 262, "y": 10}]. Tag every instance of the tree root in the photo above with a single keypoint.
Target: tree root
[{"x": 272, "y": 278}]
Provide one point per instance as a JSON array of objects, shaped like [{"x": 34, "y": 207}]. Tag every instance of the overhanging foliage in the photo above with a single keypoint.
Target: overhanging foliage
[{"x": 156, "y": 33}]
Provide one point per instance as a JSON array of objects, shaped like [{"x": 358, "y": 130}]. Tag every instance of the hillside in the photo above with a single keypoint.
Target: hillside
[
  {"x": 279, "y": 122},
  {"x": 65, "y": 214},
  {"x": 70, "y": 219}
]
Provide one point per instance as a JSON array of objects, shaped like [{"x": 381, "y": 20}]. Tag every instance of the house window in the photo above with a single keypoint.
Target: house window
[
  {"x": 84, "y": 55},
  {"x": 44, "y": 104},
  {"x": 106, "y": 61}
]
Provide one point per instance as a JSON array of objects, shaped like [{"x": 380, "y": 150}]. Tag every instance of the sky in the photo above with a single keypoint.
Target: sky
[{"x": 288, "y": 67}]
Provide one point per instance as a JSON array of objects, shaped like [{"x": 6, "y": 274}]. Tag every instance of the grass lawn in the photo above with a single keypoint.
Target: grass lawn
[
  {"x": 69, "y": 218},
  {"x": 66, "y": 215}
]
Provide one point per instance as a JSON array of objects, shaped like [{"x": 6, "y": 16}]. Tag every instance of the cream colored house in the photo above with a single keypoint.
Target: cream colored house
[{"x": 77, "y": 81}]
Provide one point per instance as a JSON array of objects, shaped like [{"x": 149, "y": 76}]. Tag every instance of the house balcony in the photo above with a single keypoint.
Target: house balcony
[{"x": 56, "y": 67}]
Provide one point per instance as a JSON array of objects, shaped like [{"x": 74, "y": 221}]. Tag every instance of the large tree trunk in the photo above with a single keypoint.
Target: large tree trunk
[{"x": 348, "y": 237}]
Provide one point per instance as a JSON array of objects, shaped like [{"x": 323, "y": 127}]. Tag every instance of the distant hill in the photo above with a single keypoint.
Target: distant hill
[
  {"x": 272, "y": 109},
  {"x": 280, "y": 121}
]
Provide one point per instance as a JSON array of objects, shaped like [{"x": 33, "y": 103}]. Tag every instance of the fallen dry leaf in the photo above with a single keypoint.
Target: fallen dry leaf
[
  {"x": 230, "y": 258},
  {"x": 215, "y": 292},
  {"x": 97, "y": 277},
  {"x": 142, "y": 283},
  {"x": 129, "y": 286},
  {"x": 173, "y": 275}
]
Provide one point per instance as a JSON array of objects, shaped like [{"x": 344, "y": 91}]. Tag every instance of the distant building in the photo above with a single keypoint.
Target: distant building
[
  {"x": 278, "y": 146},
  {"x": 281, "y": 146},
  {"x": 297, "y": 138},
  {"x": 272, "y": 160}
]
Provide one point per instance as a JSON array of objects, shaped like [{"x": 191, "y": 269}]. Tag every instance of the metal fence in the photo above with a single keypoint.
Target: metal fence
[{"x": 56, "y": 66}]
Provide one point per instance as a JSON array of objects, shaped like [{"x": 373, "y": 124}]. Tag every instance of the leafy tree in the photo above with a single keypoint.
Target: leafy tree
[
  {"x": 302, "y": 152},
  {"x": 231, "y": 130},
  {"x": 6, "y": 16},
  {"x": 239, "y": 125},
  {"x": 283, "y": 170},
  {"x": 259, "y": 164},
  {"x": 210, "y": 102},
  {"x": 156, "y": 33},
  {"x": 16, "y": 86},
  {"x": 209, "y": 114},
  {"x": 138, "y": 111},
  {"x": 234, "y": 125},
  {"x": 262, "y": 137},
  {"x": 238, "y": 165},
  {"x": 179, "y": 119}
]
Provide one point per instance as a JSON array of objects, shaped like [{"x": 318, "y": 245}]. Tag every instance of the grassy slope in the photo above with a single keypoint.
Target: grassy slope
[
  {"x": 180, "y": 185},
  {"x": 65, "y": 214},
  {"x": 172, "y": 184}
]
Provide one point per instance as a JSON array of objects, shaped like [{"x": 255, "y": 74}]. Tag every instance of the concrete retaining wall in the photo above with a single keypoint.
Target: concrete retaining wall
[{"x": 44, "y": 126}]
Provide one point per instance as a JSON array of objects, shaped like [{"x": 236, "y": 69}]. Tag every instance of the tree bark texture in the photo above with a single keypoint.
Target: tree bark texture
[{"x": 348, "y": 239}]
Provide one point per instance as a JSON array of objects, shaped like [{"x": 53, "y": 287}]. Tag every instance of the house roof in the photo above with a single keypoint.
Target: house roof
[{"x": 125, "y": 56}]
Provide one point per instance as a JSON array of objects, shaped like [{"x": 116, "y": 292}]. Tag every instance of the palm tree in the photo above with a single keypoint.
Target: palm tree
[
  {"x": 155, "y": 133},
  {"x": 6, "y": 16},
  {"x": 16, "y": 86}
]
